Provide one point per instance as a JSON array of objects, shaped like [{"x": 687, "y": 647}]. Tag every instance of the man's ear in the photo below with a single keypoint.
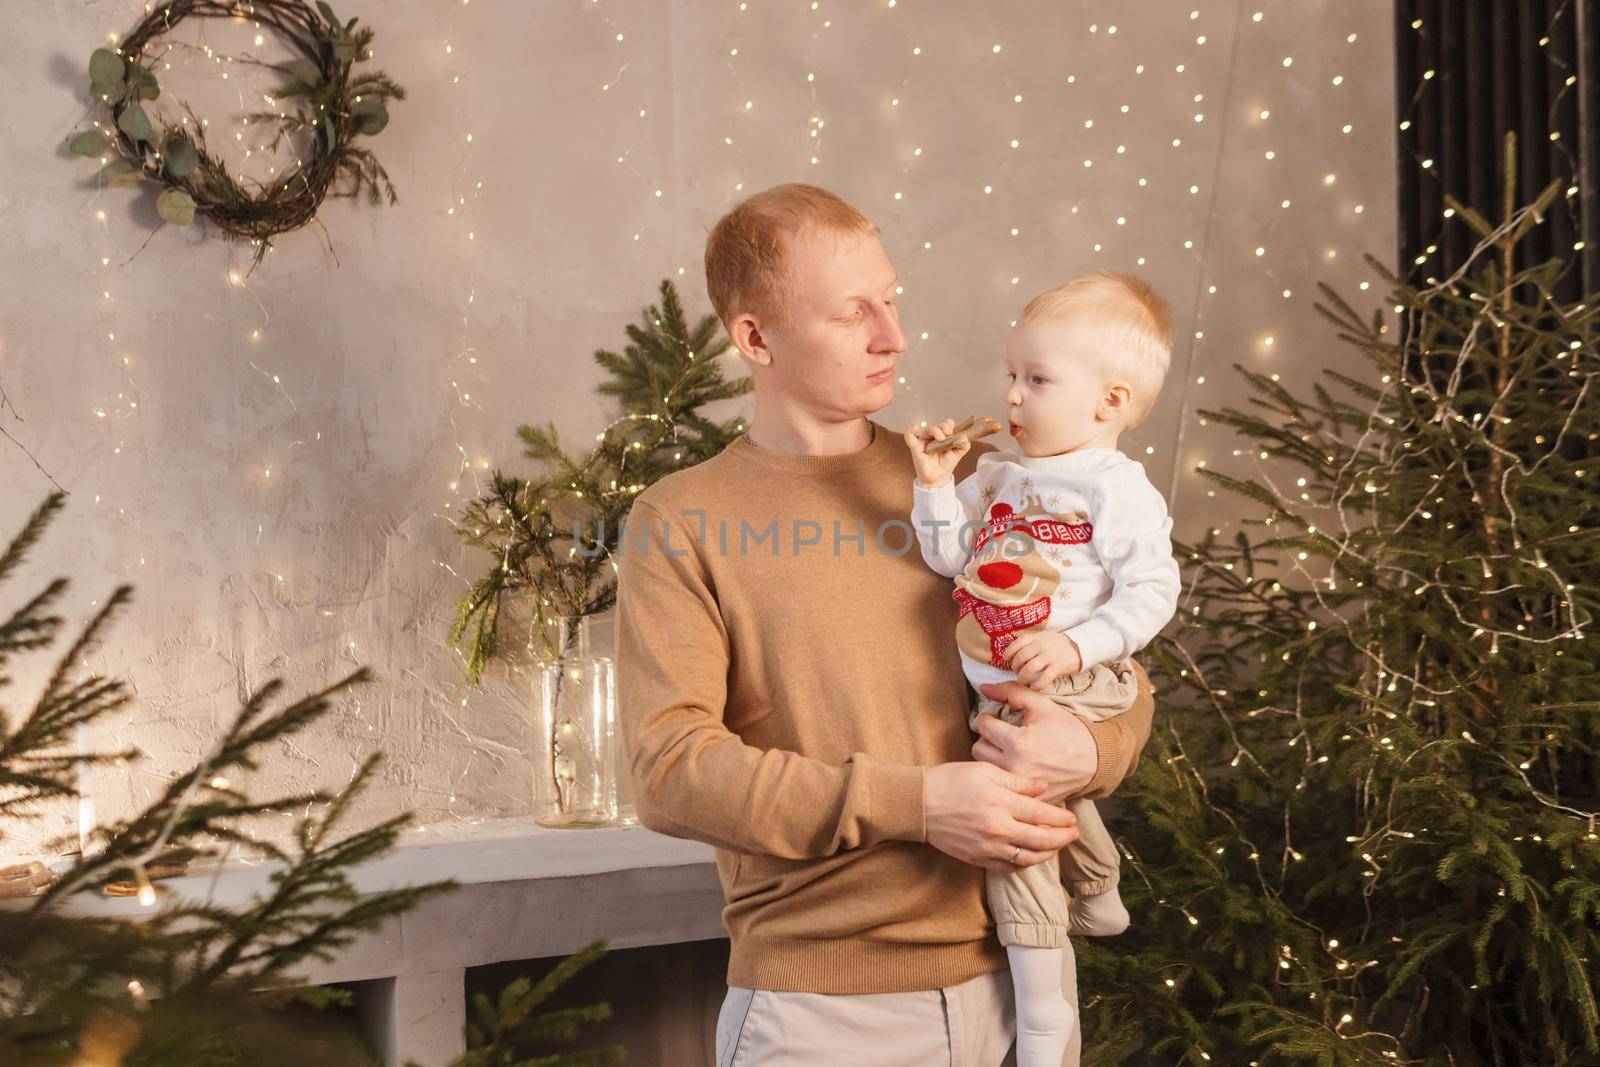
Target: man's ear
[
  {"x": 1115, "y": 402},
  {"x": 746, "y": 336}
]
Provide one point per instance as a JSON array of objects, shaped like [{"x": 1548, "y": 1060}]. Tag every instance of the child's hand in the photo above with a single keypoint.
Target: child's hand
[
  {"x": 1040, "y": 658},
  {"x": 931, "y": 470}
]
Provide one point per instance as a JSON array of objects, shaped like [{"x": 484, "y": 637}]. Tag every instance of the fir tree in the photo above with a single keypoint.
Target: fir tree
[
  {"x": 1365, "y": 829},
  {"x": 551, "y": 537},
  {"x": 199, "y": 985}
]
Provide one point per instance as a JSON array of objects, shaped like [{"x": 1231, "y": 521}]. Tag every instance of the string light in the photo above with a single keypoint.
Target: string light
[{"x": 1130, "y": 184}]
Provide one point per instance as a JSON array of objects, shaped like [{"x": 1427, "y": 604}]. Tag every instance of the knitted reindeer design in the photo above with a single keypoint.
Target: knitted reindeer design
[{"x": 1008, "y": 584}]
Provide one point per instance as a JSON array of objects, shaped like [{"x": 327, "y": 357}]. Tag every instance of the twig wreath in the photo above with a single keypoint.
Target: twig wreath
[{"x": 331, "y": 105}]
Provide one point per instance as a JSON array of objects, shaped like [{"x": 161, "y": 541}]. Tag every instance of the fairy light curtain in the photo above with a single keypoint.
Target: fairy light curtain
[{"x": 272, "y": 455}]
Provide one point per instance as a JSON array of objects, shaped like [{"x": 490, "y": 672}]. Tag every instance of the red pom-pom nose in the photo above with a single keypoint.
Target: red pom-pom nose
[{"x": 1001, "y": 575}]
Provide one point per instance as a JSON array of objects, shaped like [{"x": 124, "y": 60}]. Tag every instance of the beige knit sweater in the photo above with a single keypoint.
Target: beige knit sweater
[{"x": 787, "y": 667}]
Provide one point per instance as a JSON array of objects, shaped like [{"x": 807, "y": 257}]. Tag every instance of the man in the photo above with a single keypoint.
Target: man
[{"x": 791, "y": 692}]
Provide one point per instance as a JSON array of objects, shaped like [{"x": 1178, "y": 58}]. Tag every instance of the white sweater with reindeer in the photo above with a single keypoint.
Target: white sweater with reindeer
[{"x": 1078, "y": 543}]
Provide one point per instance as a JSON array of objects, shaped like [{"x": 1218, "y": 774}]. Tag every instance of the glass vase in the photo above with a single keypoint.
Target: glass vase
[{"x": 574, "y": 725}]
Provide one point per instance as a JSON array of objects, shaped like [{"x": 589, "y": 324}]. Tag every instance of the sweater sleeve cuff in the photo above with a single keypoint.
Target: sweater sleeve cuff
[
  {"x": 935, "y": 499},
  {"x": 1097, "y": 640},
  {"x": 896, "y": 799},
  {"x": 1112, "y": 750}
]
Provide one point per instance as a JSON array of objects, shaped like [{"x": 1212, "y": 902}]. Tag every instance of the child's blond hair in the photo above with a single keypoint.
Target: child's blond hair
[{"x": 1133, "y": 324}]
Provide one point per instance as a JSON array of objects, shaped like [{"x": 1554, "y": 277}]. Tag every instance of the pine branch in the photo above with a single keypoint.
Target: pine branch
[
  {"x": 1373, "y": 838},
  {"x": 551, "y": 537}
]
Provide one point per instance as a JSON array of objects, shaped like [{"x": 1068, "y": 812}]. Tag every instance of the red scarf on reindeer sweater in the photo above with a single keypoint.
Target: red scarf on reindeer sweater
[{"x": 1002, "y": 622}]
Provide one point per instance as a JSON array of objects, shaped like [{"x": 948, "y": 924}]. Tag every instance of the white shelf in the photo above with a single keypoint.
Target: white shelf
[
  {"x": 491, "y": 850},
  {"x": 527, "y": 892}
]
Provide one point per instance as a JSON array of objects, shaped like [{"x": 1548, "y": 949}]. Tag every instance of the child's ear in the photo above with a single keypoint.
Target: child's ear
[{"x": 1116, "y": 402}]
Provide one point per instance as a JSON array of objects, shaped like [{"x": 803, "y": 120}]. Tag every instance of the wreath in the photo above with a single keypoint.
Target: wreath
[{"x": 331, "y": 104}]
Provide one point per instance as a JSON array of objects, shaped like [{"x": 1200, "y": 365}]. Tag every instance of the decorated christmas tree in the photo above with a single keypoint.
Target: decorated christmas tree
[
  {"x": 1365, "y": 829},
  {"x": 198, "y": 984},
  {"x": 551, "y": 537}
]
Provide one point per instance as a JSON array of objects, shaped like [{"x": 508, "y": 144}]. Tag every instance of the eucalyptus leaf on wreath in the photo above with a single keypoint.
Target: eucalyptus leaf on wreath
[
  {"x": 179, "y": 155},
  {"x": 148, "y": 89},
  {"x": 120, "y": 172},
  {"x": 106, "y": 67},
  {"x": 306, "y": 71},
  {"x": 341, "y": 37},
  {"x": 370, "y": 116},
  {"x": 134, "y": 122},
  {"x": 176, "y": 206},
  {"x": 91, "y": 143}
]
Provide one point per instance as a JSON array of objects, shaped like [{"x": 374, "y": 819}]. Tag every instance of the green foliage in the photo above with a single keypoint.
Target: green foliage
[
  {"x": 178, "y": 155},
  {"x": 1365, "y": 829},
  {"x": 90, "y": 143},
  {"x": 120, "y": 172},
  {"x": 325, "y": 99},
  {"x": 176, "y": 206},
  {"x": 338, "y": 105},
  {"x": 193, "y": 984},
  {"x": 552, "y": 536},
  {"x": 497, "y": 1030},
  {"x": 106, "y": 67},
  {"x": 134, "y": 122}
]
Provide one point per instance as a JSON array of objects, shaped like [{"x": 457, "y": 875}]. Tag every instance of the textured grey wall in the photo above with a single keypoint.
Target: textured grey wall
[{"x": 272, "y": 462}]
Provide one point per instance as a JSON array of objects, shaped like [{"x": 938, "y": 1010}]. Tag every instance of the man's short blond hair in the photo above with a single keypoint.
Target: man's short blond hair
[
  {"x": 747, "y": 263},
  {"x": 1131, "y": 324}
]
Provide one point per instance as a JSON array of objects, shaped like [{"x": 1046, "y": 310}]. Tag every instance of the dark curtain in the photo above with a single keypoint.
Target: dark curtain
[{"x": 1530, "y": 66}]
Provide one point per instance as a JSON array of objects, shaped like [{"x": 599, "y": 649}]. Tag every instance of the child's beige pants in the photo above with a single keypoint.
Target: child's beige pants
[{"x": 1029, "y": 905}]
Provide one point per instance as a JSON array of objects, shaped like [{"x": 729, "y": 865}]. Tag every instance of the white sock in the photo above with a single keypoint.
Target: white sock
[
  {"x": 1097, "y": 915},
  {"x": 1045, "y": 1020}
]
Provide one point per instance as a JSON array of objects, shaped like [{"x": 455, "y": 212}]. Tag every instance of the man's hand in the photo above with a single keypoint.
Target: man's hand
[
  {"x": 981, "y": 815},
  {"x": 1041, "y": 657},
  {"x": 1052, "y": 745}
]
